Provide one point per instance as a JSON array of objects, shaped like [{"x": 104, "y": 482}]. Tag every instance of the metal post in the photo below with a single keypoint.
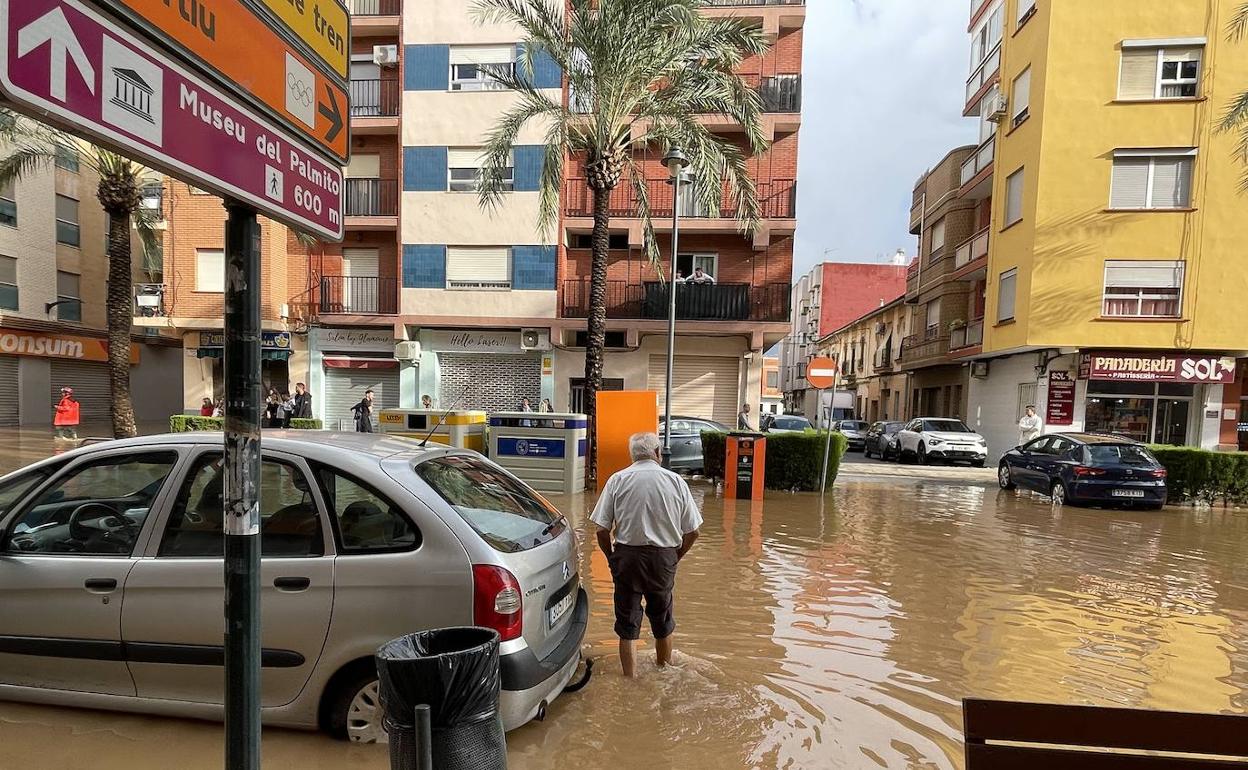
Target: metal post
[
  {"x": 242, "y": 488},
  {"x": 424, "y": 738},
  {"x": 827, "y": 445},
  {"x": 671, "y": 324}
]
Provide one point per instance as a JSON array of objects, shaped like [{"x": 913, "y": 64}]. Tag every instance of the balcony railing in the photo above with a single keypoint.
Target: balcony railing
[
  {"x": 371, "y": 198},
  {"x": 983, "y": 73},
  {"x": 149, "y": 300},
  {"x": 968, "y": 336},
  {"x": 777, "y": 200},
  {"x": 374, "y": 98},
  {"x": 981, "y": 160},
  {"x": 359, "y": 295},
  {"x": 782, "y": 93},
  {"x": 975, "y": 247},
  {"x": 753, "y": 2},
  {"x": 375, "y": 7},
  {"x": 923, "y": 347},
  {"x": 649, "y": 301}
]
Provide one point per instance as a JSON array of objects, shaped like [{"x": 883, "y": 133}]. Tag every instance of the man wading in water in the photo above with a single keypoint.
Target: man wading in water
[{"x": 656, "y": 523}]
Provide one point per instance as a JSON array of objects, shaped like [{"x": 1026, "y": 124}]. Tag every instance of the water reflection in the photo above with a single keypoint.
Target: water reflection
[{"x": 840, "y": 635}]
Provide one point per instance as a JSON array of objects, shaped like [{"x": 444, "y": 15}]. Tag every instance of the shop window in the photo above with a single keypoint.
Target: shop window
[
  {"x": 1157, "y": 413},
  {"x": 1136, "y": 289}
]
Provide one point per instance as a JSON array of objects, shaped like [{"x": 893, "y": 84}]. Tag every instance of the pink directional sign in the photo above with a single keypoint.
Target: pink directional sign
[{"x": 63, "y": 62}]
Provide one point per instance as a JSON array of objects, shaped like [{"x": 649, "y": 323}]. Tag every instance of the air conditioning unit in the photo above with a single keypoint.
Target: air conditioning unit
[
  {"x": 535, "y": 339},
  {"x": 979, "y": 369},
  {"x": 998, "y": 107},
  {"x": 386, "y": 55},
  {"x": 408, "y": 350}
]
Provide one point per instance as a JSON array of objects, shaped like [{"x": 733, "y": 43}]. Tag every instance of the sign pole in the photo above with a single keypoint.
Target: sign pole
[
  {"x": 827, "y": 444},
  {"x": 242, "y": 488}
]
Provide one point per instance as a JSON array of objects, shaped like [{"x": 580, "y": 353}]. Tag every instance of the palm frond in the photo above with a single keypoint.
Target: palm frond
[{"x": 1239, "y": 23}]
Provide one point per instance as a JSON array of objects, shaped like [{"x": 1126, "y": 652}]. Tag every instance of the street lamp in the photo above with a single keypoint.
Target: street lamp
[{"x": 676, "y": 162}]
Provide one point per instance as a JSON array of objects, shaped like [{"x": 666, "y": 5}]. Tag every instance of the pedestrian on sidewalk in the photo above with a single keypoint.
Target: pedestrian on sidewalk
[
  {"x": 272, "y": 402},
  {"x": 65, "y": 422},
  {"x": 364, "y": 413},
  {"x": 1030, "y": 426},
  {"x": 655, "y": 522},
  {"x": 525, "y": 406},
  {"x": 206, "y": 408},
  {"x": 743, "y": 418},
  {"x": 302, "y": 402}
]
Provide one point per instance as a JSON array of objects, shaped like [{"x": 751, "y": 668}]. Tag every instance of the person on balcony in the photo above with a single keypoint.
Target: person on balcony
[{"x": 701, "y": 278}]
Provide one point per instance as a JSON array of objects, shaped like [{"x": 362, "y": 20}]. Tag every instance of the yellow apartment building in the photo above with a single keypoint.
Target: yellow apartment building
[{"x": 1115, "y": 269}]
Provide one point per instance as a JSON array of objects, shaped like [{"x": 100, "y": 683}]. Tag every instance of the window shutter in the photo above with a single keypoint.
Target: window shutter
[
  {"x": 360, "y": 263},
  {"x": 1183, "y": 54},
  {"x": 424, "y": 266},
  {"x": 426, "y": 67},
  {"x": 1024, "y": 7},
  {"x": 483, "y": 54},
  {"x": 546, "y": 72},
  {"x": 1006, "y": 295},
  {"x": 1144, "y": 274},
  {"x": 938, "y": 235},
  {"x": 1022, "y": 93},
  {"x": 1172, "y": 183},
  {"x": 478, "y": 264},
  {"x": 1130, "y": 184},
  {"x": 1014, "y": 198},
  {"x": 66, "y": 209},
  {"x": 424, "y": 169},
  {"x": 470, "y": 158},
  {"x": 1138, "y": 78},
  {"x": 533, "y": 267},
  {"x": 528, "y": 166},
  {"x": 933, "y": 312},
  {"x": 209, "y": 270},
  {"x": 66, "y": 284},
  {"x": 364, "y": 165}
]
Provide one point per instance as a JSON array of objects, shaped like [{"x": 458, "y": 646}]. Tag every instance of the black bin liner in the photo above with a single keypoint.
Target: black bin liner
[{"x": 455, "y": 672}]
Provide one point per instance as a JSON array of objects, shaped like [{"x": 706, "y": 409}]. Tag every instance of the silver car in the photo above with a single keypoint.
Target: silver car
[{"x": 111, "y": 575}]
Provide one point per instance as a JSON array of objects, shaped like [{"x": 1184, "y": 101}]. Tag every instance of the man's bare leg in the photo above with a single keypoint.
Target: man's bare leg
[
  {"x": 628, "y": 657},
  {"x": 663, "y": 649}
]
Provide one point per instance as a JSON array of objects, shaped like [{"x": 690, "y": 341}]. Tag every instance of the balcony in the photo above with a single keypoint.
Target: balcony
[
  {"x": 968, "y": 339},
  {"x": 927, "y": 349},
  {"x": 375, "y": 105},
  {"x": 777, "y": 200},
  {"x": 976, "y": 171},
  {"x": 358, "y": 295},
  {"x": 649, "y": 301},
  {"x": 782, "y": 93},
  {"x": 971, "y": 255},
  {"x": 883, "y": 360},
  {"x": 371, "y": 204},
  {"x": 149, "y": 304},
  {"x": 370, "y": 18},
  {"x": 981, "y": 79},
  {"x": 775, "y": 15}
]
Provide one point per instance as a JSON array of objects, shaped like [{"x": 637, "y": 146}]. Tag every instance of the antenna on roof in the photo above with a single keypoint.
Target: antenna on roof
[{"x": 442, "y": 419}]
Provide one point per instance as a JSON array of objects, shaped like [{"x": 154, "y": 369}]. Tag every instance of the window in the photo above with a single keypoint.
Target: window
[
  {"x": 8, "y": 283},
  {"x": 1026, "y": 9},
  {"x": 933, "y": 318},
  {"x": 8, "y": 205},
  {"x": 478, "y": 267},
  {"x": 586, "y": 241},
  {"x": 1136, "y": 289},
  {"x": 365, "y": 521},
  {"x": 464, "y": 170},
  {"x": 987, "y": 109},
  {"x": 687, "y": 263},
  {"x": 290, "y": 525},
  {"x": 1149, "y": 179},
  {"x": 1014, "y": 198},
  {"x": 67, "y": 221},
  {"x": 68, "y": 293},
  {"x": 1153, "y": 71},
  {"x": 98, "y": 509},
  {"x": 1022, "y": 98},
  {"x": 153, "y": 200},
  {"x": 938, "y": 235},
  {"x": 504, "y": 512},
  {"x": 13, "y": 490},
  {"x": 1006, "y": 295},
  {"x": 67, "y": 157},
  {"x": 472, "y": 66},
  {"x": 773, "y": 380},
  {"x": 210, "y": 270},
  {"x": 986, "y": 39}
]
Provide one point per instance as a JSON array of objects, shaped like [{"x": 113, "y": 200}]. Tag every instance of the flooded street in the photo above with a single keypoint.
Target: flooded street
[{"x": 834, "y": 637}]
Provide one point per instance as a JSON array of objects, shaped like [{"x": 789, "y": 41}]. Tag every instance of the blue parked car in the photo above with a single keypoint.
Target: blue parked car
[{"x": 1075, "y": 468}]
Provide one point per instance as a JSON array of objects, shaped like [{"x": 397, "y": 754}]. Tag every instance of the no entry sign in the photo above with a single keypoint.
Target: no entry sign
[
  {"x": 821, "y": 373},
  {"x": 63, "y": 62}
]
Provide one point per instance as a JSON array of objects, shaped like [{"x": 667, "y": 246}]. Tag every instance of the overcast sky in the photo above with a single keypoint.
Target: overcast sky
[{"x": 882, "y": 92}]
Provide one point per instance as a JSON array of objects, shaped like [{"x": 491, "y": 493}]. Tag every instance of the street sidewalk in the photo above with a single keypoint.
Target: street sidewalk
[{"x": 854, "y": 465}]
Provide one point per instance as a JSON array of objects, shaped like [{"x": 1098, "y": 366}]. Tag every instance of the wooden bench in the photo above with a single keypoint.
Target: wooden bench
[{"x": 1091, "y": 738}]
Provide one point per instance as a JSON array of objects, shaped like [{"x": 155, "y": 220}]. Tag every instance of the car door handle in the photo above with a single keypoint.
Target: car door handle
[
  {"x": 100, "y": 585},
  {"x": 292, "y": 583}
]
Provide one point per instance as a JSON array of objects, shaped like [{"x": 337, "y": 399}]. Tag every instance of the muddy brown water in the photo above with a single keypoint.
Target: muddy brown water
[{"x": 834, "y": 636}]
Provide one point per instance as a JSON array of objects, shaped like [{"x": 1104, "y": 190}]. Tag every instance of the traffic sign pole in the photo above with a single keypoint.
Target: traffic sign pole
[
  {"x": 827, "y": 442},
  {"x": 821, "y": 373},
  {"x": 242, "y": 488}
]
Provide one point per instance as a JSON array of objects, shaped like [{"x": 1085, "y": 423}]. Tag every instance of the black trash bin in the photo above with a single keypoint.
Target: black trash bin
[{"x": 454, "y": 671}]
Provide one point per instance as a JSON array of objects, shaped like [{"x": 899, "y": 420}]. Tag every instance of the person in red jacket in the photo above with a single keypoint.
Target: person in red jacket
[{"x": 67, "y": 414}]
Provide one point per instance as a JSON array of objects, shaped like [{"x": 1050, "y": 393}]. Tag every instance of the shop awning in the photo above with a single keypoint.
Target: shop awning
[
  {"x": 265, "y": 355},
  {"x": 360, "y": 363}
]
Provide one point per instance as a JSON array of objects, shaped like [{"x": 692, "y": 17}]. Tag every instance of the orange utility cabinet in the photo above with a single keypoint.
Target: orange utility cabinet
[
  {"x": 621, "y": 413},
  {"x": 745, "y": 461}
]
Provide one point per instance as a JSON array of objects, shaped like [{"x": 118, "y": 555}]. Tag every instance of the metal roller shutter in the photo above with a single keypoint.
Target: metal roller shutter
[
  {"x": 493, "y": 383},
  {"x": 90, "y": 384},
  {"x": 345, "y": 387},
  {"x": 8, "y": 392},
  {"x": 703, "y": 386}
]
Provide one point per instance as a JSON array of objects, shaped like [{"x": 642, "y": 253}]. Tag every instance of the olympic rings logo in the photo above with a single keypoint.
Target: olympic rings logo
[{"x": 299, "y": 89}]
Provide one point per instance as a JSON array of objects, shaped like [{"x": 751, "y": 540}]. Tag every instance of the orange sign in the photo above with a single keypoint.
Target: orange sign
[
  {"x": 14, "y": 342},
  {"x": 821, "y": 373},
  {"x": 226, "y": 36}
]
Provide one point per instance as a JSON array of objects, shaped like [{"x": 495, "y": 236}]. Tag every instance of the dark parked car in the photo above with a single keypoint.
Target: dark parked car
[
  {"x": 1075, "y": 468},
  {"x": 687, "y": 441},
  {"x": 881, "y": 440},
  {"x": 855, "y": 431}
]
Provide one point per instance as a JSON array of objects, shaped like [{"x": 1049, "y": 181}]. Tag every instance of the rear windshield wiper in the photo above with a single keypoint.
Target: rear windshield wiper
[{"x": 551, "y": 526}]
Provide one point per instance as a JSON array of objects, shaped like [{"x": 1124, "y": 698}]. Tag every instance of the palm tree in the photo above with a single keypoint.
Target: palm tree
[
  {"x": 32, "y": 147},
  {"x": 1235, "y": 117},
  {"x": 639, "y": 72}
]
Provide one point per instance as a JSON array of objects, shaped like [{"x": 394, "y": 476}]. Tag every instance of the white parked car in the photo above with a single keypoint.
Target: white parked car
[{"x": 925, "y": 439}]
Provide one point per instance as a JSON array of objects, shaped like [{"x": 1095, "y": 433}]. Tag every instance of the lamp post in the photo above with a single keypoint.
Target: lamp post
[{"x": 676, "y": 163}]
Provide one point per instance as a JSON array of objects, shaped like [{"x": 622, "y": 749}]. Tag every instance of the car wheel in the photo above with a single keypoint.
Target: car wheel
[
  {"x": 356, "y": 710},
  {"x": 1058, "y": 493},
  {"x": 1004, "y": 478},
  {"x": 920, "y": 456}
]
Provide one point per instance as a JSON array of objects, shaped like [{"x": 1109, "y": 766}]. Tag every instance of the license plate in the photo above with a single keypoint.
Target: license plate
[
  {"x": 560, "y": 608},
  {"x": 1126, "y": 493}
]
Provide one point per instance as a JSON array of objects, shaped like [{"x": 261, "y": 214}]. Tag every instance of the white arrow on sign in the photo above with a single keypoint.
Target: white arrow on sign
[{"x": 53, "y": 28}]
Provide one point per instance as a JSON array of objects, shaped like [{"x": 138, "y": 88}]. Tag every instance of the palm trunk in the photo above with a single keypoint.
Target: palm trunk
[
  {"x": 120, "y": 319},
  {"x": 596, "y": 335}
]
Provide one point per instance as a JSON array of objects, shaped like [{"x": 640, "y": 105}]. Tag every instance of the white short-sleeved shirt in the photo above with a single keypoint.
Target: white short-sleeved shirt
[{"x": 647, "y": 505}]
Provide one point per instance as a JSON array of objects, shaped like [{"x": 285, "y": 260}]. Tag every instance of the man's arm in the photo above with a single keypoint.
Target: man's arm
[
  {"x": 686, "y": 543},
  {"x": 604, "y": 542}
]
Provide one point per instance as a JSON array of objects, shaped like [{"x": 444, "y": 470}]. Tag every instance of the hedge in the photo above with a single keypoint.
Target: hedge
[
  {"x": 1199, "y": 474},
  {"x": 184, "y": 423},
  {"x": 792, "y": 459}
]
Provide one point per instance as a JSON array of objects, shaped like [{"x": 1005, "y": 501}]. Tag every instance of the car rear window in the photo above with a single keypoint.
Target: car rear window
[
  {"x": 1130, "y": 454},
  {"x": 791, "y": 423},
  {"x": 851, "y": 425},
  {"x": 506, "y": 514}
]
